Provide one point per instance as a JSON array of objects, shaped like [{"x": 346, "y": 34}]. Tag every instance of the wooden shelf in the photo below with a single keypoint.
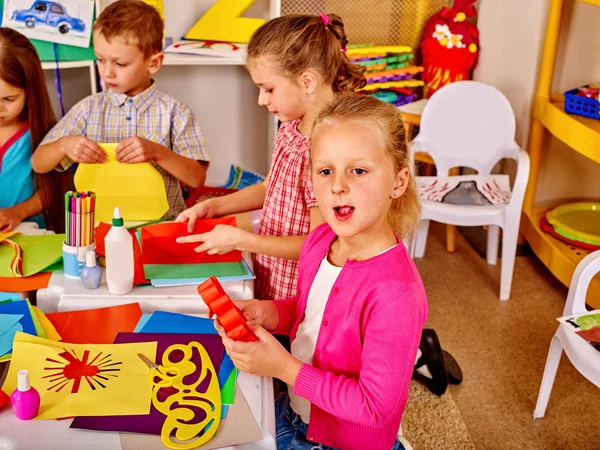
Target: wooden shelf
[
  {"x": 175, "y": 59},
  {"x": 580, "y": 133},
  {"x": 559, "y": 257}
]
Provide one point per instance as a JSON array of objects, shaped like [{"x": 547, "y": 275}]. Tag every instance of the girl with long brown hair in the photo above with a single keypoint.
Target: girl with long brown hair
[{"x": 25, "y": 117}]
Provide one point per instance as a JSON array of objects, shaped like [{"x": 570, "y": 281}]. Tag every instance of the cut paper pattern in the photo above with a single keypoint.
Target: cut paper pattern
[
  {"x": 79, "y": 393},
  {"x": 465, "y": 189},
  {"x": 71, "y": 369}
]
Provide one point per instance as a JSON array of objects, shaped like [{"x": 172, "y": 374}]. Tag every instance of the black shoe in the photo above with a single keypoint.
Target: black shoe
[
  {"x": 455, "y": 375},
  {"x": 433, "y": 358}
]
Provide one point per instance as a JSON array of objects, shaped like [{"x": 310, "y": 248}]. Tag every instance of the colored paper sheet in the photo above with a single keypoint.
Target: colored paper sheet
[
  {"x": 6, "y": 297},
  {"x": 152, "y": 423},
  {"x": 228, "y": 391},
  {"x": 20, "y": 307},
  {"x": 137, "y": 189},
  {"x": 79, "y": 380},
  {"x": 178, "y": 271},
  {"x": 24, "y": 284},
  {"x": 39, "y": 252},
  {"x": 4, "y": 399},
  {"x": 143, "y": 320},
  {"x": 96, "y": 326},
  {"x": 49, "y": 329},
  {"x": 224, "y": 411},
  {"x": 39, "y": 329},
  {"x": 248, "y": 275},
  {"x": 159, "y": 243},
  {"x": 9, "y": 326},
  {"x": 167, "y": 322}
]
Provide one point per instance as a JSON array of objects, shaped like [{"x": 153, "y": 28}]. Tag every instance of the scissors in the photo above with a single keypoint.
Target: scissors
[{"x": 166, "y": 375}]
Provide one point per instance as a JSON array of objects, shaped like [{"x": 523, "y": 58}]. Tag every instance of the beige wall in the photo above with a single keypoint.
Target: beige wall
[{"x": 512, "y": 33}]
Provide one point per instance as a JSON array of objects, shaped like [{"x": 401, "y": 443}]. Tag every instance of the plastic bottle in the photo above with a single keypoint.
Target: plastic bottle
[
  {"x": 91, "y": 273},
  {"x": 25, "y": 399},
  {"x": 118, "y": 246}
]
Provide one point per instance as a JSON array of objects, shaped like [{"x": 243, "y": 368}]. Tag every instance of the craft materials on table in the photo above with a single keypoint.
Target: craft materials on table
[
  {"x": 80, "y": 210},
  {"x": 25, "y": 399},
  {"x": 81, "y": 380},
  {"x": 118, "y": 247},
  {"x": 38, "y": 253},
  {"x": 17, "y": 316}
]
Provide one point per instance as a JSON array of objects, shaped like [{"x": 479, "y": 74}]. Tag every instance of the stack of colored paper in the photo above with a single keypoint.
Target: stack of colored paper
[
  {"x": 390, "y": 72},
  {"x": 169, "y": 263}
]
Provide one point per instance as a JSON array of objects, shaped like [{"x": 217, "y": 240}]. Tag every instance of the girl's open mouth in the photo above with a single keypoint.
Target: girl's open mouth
[{"x": 343, "y": 212}]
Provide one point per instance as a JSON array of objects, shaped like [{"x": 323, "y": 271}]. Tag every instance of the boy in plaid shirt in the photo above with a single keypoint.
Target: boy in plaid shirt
[{"x": 148, "y": 125}]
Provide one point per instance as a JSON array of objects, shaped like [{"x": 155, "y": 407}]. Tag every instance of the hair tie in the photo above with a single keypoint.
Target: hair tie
[
  {"x": 344, "y": 50},
  {"x": 325, "y": 18}
]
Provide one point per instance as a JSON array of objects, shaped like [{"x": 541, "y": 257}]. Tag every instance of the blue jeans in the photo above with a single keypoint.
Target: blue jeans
[{"x": 291, "y": 431}]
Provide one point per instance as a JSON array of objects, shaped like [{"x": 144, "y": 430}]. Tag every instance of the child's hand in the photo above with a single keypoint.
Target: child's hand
[
  {"x": 137, "y": 150},
  {"x": 82, "y": 150},
  {"x": 266, "y": 358},
  {"x": 257, "y": 313},
  {"x": 221, "y": 239},
  {"x": 9, "y": 219},
  {"x": 202, "y": 210}
]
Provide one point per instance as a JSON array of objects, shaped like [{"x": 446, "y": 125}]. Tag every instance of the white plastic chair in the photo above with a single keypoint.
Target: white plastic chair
[
  {"x": 471, "y": 124},
  {"x": 582, "y": 355}
]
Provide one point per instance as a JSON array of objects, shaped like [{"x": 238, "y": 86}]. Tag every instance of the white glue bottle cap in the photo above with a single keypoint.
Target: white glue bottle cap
[
  {"x": 90, "y": 259},
  {"x": 23, "y": 384}
]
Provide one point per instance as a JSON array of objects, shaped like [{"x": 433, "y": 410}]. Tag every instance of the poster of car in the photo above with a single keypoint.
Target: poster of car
[{"x": 62, "y": 21}]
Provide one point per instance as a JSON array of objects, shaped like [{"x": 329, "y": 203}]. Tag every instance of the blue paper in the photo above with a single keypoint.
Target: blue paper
[
  {"x": 224, "y": 411},
  {"x": 9, "y": 296},
  {"x": 7, "y": 339},
  {"x": 173, "y": 323},
  {"x": 7, "y": 321},
  {"x": 248, "y": 275},
  {"x": 20, "y": 307},
  {"x": 143, "y": 320}
]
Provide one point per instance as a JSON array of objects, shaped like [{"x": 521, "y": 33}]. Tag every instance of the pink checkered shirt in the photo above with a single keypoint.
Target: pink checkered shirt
[
  {"x": 286, "y": 211},
  {"x": 110, "y": 117}
]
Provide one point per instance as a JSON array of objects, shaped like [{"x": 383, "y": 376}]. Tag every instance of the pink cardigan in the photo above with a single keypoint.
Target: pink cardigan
[{"x": 366, "y": 348}]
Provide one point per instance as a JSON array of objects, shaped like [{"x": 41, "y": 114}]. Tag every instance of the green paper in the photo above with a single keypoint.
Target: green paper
[
  {"x": 162, "y": 271},
  {"x": 39, "y": 252},
  {"x": 228, "y": 391},
  {"x": 589, "y": 321}
]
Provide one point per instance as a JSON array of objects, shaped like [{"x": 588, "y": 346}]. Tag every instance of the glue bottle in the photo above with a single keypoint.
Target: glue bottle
[
  {"x": 91, "y": 273},
  {"x": 118, "y": 246},
  {"x": 25, "y": 399}
]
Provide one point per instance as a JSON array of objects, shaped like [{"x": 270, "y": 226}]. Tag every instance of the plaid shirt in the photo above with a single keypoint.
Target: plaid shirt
[
  {"x": 286, "y": 211},
  {"x": 108, "y": 117}
]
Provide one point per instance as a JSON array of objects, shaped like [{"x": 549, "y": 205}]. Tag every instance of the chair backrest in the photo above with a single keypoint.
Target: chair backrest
[
  {"x": 467, "y": 124},
  {"x": 585, "y": 271}
]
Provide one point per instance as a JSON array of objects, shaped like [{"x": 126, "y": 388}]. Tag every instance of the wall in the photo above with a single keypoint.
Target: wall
[{"x": 512, "y": 33}]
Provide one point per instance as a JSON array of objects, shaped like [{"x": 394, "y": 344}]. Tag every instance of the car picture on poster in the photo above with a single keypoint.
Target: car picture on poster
[{"x": 63, "y": 21}]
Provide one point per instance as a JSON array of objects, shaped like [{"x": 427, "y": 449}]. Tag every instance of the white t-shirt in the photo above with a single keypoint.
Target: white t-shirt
[{"x": 303, "y": 346}]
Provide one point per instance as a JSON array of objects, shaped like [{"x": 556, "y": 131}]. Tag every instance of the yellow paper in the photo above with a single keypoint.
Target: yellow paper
[
  {"x": 137, "y": 189},
  {"x": 49, "y": 329},
  {"x": 83, "y": 380},
  {"x": 222, "y": 23}
]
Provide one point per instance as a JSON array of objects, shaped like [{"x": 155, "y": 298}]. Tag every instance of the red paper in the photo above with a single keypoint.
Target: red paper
[
  {"x": 96, "y": 326},
  {"x": 159, "y": 244},
  {"x": 138, "y": 270},
  {"x": 4, "y": 399},
  {"x": 230, "y": 316}
]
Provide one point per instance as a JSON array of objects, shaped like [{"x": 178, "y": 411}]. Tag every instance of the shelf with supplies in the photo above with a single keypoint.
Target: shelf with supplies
[
  {"x": 580, "y": 133},
  {"x": 173, "y": 59}
]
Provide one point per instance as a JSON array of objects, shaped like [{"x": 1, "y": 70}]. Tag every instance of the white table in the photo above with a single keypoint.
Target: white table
[{"x": 67, "y": 294}]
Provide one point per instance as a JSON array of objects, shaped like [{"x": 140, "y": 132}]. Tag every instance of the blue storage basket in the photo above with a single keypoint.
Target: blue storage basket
[{"x": 582, "y": 106}]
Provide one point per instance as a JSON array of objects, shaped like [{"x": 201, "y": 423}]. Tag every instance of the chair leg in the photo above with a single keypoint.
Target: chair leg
[
  {"x": 421, "y": 238},
  {"x": 450, "y": 238},
  {"x": 493, "y": 237},
  {"x": 550, "y": 370},
  {"x": 509, "y": 252}
]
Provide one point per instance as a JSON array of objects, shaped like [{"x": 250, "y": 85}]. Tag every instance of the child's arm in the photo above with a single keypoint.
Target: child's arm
[
  {"x": 67, "y": 142},
  {"x": 11, "y": 217},
  {"x": 225, "y": 238}
]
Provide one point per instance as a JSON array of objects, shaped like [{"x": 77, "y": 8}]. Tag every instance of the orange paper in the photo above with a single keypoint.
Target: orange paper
[
  {"x": 24, "y": 284},
  {"x": 96, "y": 326},
  {"x": 159, "y": 244}
]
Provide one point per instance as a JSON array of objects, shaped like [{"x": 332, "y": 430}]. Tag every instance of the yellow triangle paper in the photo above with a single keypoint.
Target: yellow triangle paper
[
  {"x": 137, "y": 189},
  {"x": 84, "y": 380},
  {"x": 49, "y": 329},
  {"x": 222, "y": 23}
]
